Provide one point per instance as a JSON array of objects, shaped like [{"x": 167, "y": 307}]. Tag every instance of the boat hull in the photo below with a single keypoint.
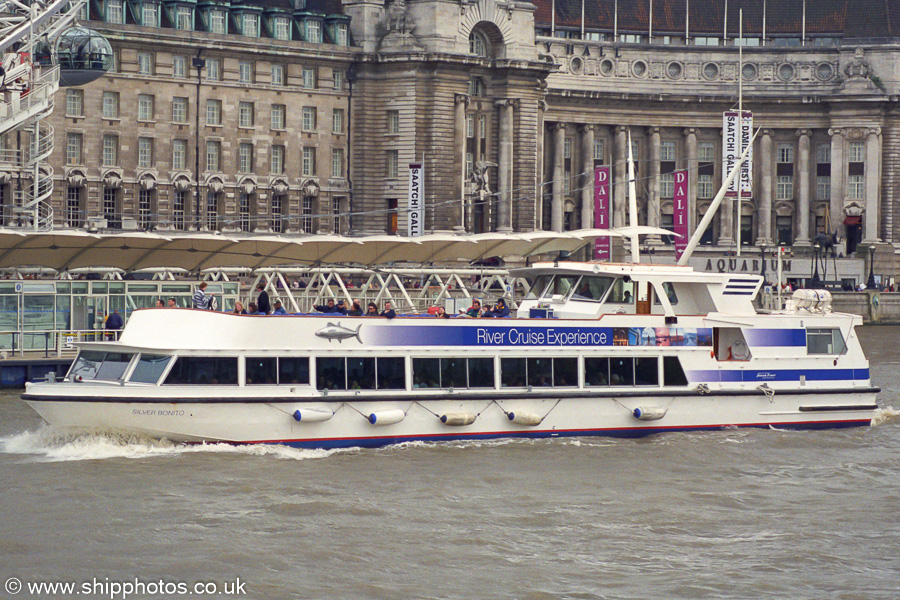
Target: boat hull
[{"x": 255, "y": 422}]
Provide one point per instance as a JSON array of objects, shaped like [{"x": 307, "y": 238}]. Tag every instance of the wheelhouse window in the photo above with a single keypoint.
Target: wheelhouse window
[
  {"x": 100, "y": 366},
  {"x": 149, "y": 368},
  {"x": 825, "y": 341},
  {"x": 203, "y": 370},
  {"x": 622, "y": 292},
  {"x": 592, "y": 288}
]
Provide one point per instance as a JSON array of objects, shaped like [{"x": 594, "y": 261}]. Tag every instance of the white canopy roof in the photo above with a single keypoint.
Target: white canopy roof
[{"x": 70, "y": 249}]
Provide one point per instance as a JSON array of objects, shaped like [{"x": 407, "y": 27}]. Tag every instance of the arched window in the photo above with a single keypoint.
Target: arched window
[{"x": 479, "y": 44}]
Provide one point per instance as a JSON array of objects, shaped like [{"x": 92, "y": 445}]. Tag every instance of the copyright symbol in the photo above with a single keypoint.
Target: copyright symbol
[{"x": 13, "y": 585}]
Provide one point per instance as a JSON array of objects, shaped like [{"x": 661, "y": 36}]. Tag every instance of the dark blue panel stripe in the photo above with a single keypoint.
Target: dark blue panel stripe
[
  {"x": 775, "y": 337},
  {"x": 734, "y": 375}
]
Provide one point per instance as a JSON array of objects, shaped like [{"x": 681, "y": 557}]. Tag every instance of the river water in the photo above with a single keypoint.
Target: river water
[{"x": 731, "y": 514}]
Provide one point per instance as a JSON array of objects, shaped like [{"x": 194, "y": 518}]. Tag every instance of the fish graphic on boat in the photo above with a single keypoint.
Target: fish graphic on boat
[{"x": 336, "y": 332}]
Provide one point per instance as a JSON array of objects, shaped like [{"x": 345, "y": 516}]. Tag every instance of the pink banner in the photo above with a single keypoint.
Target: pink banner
[
  {"x": 601, "y": 211},
  {"x": 680, "y": 212}
]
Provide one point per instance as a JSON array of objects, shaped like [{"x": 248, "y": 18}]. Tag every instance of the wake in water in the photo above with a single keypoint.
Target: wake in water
[
  {"x": 885, "y": 415},
  {"x": 52, "y": 444}
]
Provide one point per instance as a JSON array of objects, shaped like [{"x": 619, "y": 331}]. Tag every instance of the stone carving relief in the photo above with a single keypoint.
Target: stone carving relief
[{"x": 396, "y": 31}]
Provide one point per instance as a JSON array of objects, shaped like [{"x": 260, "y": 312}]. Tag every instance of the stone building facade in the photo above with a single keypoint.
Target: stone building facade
[{"x": 302, "y": 117}]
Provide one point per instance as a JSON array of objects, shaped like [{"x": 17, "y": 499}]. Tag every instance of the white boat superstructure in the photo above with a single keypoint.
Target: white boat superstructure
[{"x": 596, "y": 349}]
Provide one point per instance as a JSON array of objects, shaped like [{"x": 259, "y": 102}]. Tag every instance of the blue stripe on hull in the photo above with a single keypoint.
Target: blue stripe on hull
[
  {"x": 734, "y": 375},
  {"x": 631, "y": 432}
]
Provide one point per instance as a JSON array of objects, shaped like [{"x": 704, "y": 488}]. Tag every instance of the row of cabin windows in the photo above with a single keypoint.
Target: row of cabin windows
[{"x": 383, "y": 373}]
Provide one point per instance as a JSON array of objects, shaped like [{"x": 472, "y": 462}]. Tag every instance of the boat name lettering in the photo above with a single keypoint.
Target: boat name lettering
[
  {"x": 157, "y": 412},
  {"x": 541, "y": 337}
]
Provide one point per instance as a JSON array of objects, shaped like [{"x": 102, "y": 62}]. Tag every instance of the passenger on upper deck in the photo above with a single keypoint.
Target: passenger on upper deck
[
  {"x": 252, "y": 309},
  {"x": 172, "y": 303},
  {"x": 475, "y": 309},
  {"x": 329, "y": 308},
  {"x": 500, "y": 309},
  {"x": 262, "y": 301},
  {"x": 388, "y": 311},
  {"x": 159, "y": 303},
  {"x": 201, "y": 298},
  {"x": 356, "y": 309},
  {"x": 372, "y": 310},
  {"x": 239, "y": 308},
  {"x": 441, "y": 313},
  {"x": 279, "y": 309}
]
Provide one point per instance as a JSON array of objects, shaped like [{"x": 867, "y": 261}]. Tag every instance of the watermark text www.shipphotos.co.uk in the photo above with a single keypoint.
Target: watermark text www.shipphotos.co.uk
[{"x": 124, "y": 589}]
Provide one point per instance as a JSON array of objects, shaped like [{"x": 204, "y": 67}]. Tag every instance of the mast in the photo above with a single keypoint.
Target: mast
[
  {"x": 632, "y": 205},
  {"x": 714, "y": 206}
]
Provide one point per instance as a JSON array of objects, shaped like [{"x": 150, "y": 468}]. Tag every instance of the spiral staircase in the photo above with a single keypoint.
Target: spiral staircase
[{"x": 27, "y": 92}]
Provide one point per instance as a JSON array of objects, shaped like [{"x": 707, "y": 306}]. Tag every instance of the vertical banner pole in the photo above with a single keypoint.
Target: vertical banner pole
[{"x": 601, "y": 212}]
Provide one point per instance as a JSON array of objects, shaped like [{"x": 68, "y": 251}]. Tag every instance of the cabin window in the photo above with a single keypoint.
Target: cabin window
[
  {"x": 646, "y": 371},
  {"x": 592, "y": 288},
  {"x": 539, "y": 372},
  {"x": 150, "y": 368},
  {"x": 203, "y": 370},
  {"x": 512, "y": 372},
  {"x": 293, "y": 370},
  {"x": 673, "y": 373},
  {"x": 596, "y": 371},
  {"x": 362, "y": 373},
  {"x": 261, "y": 370},
  {"x": 102, "y": 366},
  {"x": 391, "y": 373},
  {"x": 453, "y": 373},
  {"x": 621, "y": 371},
  {"x": 331, "y": 373},
  {"x": 824, "y": 341}
]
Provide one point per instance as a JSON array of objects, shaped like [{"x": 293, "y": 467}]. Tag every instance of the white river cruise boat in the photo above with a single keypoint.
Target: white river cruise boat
[{"x": 596, "y": 349}]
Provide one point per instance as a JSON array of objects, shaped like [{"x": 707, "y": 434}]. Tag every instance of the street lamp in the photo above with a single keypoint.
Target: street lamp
[
  {"x": 762, "y": 253},
  {"x": 816, "y": 283},
  {"x": 870, "y": 283}
]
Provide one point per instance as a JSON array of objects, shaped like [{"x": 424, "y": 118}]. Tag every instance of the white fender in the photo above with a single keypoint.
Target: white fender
[
  {"x": 649, "y": 413},
  {"x": 312, "y": 415},
  {"x": 386, "y": 417},
  {"x": 458, "y": 419},
  {"x": 525, "y": 418}
]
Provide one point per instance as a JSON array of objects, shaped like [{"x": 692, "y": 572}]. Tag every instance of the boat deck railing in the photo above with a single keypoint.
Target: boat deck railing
[{"x": 54, "y": 343}]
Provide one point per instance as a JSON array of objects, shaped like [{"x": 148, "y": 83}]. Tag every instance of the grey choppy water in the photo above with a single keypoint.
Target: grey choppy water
[{"x": 731, "y": 514}]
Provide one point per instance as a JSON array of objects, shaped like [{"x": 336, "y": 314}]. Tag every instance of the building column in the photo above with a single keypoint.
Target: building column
[
  {"x": 873, "y": 183},
  {"x": 692, "y": 166},
  {"x": 459, "y": 158},
  {"x": 653, "y": 208},
  {"x": 838, "y": 184},
  {"x": 559, "y": 172},
  {"x": 764, "y": 234},
  {"x": 505, "y": 167},
  {"x": 803, "y": 205},
  {"x": 620, "y": 185},
  {"x": 587, "y": 180}
]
